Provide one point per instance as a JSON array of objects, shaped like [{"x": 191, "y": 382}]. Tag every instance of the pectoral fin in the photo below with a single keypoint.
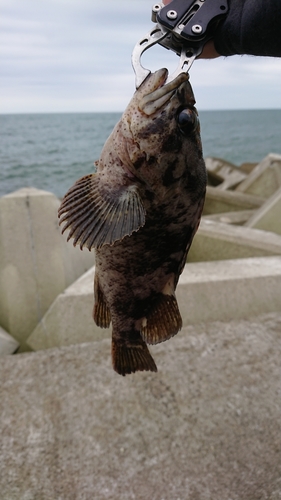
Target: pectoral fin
[
  {"x": 163, "y": 321},
  {"x": 98, "y": 214}
]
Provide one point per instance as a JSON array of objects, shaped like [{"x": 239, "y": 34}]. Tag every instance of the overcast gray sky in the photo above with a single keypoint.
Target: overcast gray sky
[{"x": 75, "y": 55}]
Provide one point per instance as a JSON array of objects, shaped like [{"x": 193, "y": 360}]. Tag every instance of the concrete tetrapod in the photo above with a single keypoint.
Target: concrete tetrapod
[
  {"x": 219, "y": 201},
  {"x": 207, "y": 291},
  {"x": 264, "y": 179},
  {"x": 268, "y": 216},
  {"x": 36, "y": 263},
  {"x": 238, "y": 218},
  {"x": 218, "y": 241},
  {"x": 223, "y": 174},
  {"x": 8, "y": 345}
]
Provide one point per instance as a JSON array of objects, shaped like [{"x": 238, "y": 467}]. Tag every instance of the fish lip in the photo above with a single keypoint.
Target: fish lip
[
  {"x": 155, "y": 80},
  {"x": 161, "y": 92}
]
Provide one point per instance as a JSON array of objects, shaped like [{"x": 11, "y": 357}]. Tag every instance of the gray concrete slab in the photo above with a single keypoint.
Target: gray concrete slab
[
  {"x": 36, "y": 263},
  {"x": 268, "y": 216},
  {"x": 206, "y": 291},
  {"x": 219, "y": 241},
  {"x": 205, "y": 427},
  {"x": 8, "y": 345}
]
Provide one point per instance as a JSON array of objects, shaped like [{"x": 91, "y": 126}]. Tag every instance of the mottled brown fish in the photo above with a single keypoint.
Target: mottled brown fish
[{"x": 140, "y": 211}]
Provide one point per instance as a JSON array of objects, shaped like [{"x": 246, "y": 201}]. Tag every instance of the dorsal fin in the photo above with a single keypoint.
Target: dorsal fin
[{"x": 97, "y": 214}]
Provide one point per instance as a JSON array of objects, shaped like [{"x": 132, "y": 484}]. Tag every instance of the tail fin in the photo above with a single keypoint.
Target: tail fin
[{"x": 131, "y": 356}]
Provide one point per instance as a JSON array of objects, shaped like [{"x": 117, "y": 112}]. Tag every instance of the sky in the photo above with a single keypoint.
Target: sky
[{"x": 75, "y": 56}]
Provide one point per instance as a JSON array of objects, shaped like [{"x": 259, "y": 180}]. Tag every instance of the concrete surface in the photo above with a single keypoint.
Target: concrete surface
[
  {"x": 218, "y": 201},
  {"x": 264, "y": 179},
  {"x": 219, "y": 241},
  {"x": 207, "y": 291},
  {"x": 205, "y": 427},
  {"x": 8, "y": 345},
  {"x": 36, "y": 264},
  {"x": 268, "y": 216}
]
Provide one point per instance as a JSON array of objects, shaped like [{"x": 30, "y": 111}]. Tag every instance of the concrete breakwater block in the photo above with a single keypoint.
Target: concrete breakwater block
[
  {"x": 8, "y": 345},
  {"x": 268, "y": 216},
  {"x": 206, "y": 426},
  {"x": 219, "y": 201},
  {"x": 264, "y": 179},
  {"x": 219, "y": 241},
  {"x": 238, "y": 218},
  {"x": 206, "y": 291},
  {"x": 36, "y": 264},
  {"x": 230, "y": 289},
  {"x": 247, "y": 167},
  {"x": 69, "y": 319},
  {"x": 223, "y": 174}
]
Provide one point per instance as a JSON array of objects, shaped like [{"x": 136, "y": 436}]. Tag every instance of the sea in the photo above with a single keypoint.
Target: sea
[{"x": 51, "y": 151}]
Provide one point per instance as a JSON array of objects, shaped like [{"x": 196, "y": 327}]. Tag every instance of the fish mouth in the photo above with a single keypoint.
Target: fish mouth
[{"x": 157, "y": 93}]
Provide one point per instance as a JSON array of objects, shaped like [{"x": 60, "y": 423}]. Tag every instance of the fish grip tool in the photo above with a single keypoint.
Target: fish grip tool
[{"x": 183, "y": 26}]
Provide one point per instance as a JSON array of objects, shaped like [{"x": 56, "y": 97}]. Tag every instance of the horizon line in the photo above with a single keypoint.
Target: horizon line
[{"x": 122, "y": 111}]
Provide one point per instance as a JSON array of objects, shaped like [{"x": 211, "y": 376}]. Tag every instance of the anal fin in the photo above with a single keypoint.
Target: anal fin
[
  {"x": 97, "y": 213},
  {"x": 101, "y": 312},
  {"x": 130, "y": 357},
  {"x": 163, "y": 320}
]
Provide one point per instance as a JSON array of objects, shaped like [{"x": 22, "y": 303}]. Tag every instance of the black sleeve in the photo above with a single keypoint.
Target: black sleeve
[{"x": 251, "y": 27}]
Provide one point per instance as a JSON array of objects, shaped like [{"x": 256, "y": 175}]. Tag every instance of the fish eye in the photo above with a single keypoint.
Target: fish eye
[{"x": 187, "y": 120}]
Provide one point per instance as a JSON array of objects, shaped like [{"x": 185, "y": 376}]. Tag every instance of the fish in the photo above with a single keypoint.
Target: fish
[{"x": 140, "y": 210}]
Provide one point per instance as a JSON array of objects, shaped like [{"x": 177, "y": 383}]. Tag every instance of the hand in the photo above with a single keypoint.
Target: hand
[{"x": 209, "y": 51}]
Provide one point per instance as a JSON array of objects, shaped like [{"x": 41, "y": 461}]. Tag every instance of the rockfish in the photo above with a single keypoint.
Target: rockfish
[{"x": 140, "y": 211}]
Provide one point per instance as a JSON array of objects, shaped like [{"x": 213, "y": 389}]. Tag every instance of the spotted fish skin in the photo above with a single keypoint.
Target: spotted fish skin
[{"x": 140, "y": 211}]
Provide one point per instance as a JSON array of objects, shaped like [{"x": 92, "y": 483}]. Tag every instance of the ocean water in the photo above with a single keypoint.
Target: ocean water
[{"x": 51, "y": 151}]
